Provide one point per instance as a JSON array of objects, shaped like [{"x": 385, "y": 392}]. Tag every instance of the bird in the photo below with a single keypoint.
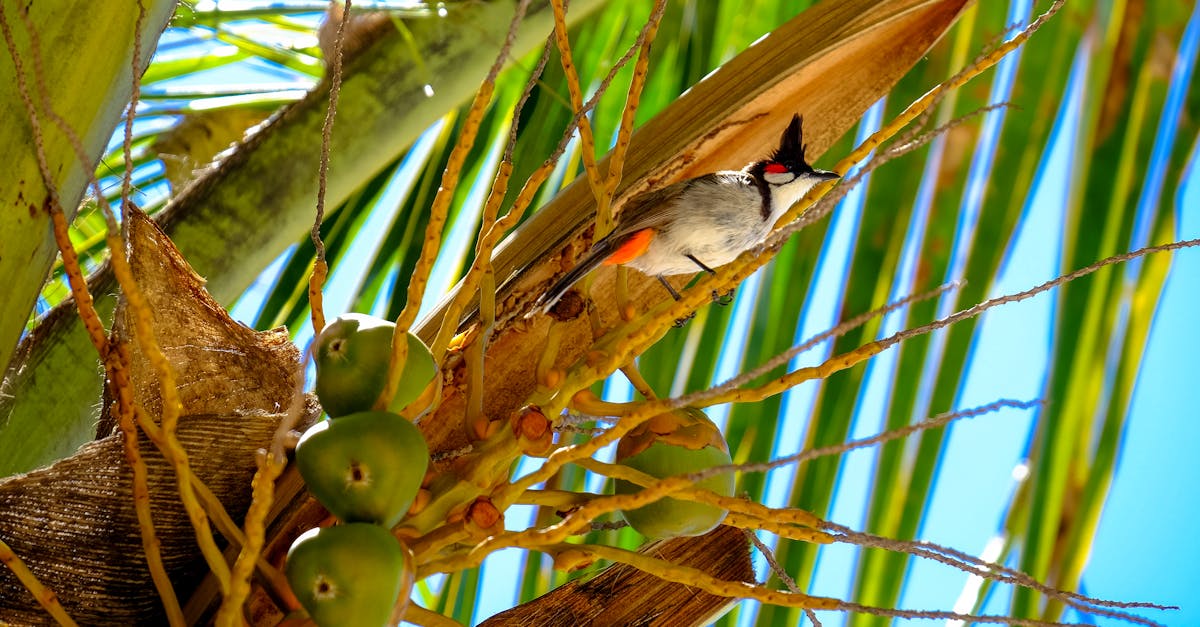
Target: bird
[{"x": 702, "y": 223}]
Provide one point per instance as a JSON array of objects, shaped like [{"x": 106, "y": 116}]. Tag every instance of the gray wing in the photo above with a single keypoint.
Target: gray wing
[
  {"x": 657, "y": 206},
  {"x": 651, "y": 209}
]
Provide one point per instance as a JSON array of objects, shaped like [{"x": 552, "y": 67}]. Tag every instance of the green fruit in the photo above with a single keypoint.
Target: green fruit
[
  {"x": 693, "y": 445},
  {"x": 352, "y": 356},
  {"x": 348, "y": 575},
  {"x": 365, "y": 467}
]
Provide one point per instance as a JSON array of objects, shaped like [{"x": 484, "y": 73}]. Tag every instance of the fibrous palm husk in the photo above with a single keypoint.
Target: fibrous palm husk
[
  {"x": 624, "y": 595},
  {"x": 74, "y": 523}
]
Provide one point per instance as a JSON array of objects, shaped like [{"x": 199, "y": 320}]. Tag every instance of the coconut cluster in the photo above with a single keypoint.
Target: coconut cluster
[{"x": 365, "y": 467}]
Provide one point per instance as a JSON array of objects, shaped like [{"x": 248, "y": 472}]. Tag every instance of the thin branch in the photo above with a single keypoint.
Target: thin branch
[
  {"x": 135, "y": 94},
  {"x": 439, "y": 210},
  {"x": 320, "y": 268},
  {"x": 769, "y": 555},
  {"x": 839, "y": 330},
  {"x": 994, "y": 572},
  {"x": 45, "y": 596},
  {"x": 171, "y": 449},
  {"x": 142, "y": 327}
]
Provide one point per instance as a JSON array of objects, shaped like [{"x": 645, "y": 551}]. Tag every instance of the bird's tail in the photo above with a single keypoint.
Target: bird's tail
[{"x": 599, "y": 252}]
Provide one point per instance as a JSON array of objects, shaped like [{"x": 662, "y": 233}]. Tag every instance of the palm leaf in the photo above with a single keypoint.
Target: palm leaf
[{"x": 963, "y": 218}]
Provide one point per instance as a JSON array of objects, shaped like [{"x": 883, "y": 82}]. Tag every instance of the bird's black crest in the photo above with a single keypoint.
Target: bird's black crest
[{"x": 791, "y": 144}]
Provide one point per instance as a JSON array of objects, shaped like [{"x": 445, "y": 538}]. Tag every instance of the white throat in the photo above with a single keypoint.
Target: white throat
[{"x": 786, "y": 195}]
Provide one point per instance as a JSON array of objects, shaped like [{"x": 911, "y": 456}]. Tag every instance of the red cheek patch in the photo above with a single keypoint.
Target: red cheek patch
[
  {"x": 775, "y": 168},
  {"x": 632, "y": 248}
]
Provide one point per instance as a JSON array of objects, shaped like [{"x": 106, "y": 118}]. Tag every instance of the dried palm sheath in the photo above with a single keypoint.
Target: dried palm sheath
[{"x": 74, "y": 523}]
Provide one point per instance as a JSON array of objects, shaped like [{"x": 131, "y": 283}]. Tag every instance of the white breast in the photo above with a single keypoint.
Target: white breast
[{"x": 714, "y": 220}]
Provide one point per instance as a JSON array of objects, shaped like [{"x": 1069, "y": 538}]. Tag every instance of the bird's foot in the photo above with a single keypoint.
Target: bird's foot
[
  {"x": 723, "y": 299},
  {"x": 679, "y": 322}
]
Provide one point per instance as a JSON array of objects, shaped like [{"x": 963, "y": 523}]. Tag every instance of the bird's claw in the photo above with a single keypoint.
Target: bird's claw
[
  {"x": 723, "y": 299},
  {"x": 679, "y": 322}
]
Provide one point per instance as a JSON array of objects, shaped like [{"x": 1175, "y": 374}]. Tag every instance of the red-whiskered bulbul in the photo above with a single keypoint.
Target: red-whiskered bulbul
[{"x": 702, "y": 223}]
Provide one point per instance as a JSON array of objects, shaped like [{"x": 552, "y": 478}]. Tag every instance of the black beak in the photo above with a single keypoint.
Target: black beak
[{"x": 826, "y": 175}]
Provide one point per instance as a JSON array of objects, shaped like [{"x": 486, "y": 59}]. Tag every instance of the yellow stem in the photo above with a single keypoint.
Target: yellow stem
[
  {"x": 616, "y": 161},
  {"x": 795, "y": 377},
  {"x": 45, "y": 596},
  {"x": 747, "y": 510},
  {"x": 506, "y": 494},
  {"x": 433, "y": 241},
  {"x": 172, "y": 406},
  {"x": 783, "y": 530},
  {"x": 418, "y": 615},
  {"x": 547, "y": 375},
  {"x": 79, "y": 288},
  {"x": 119, "y": 375},
  {"x": 263, "y": 488},
  {"x": 586, "y": 401},
  {"x": 473, "y": 355},
  {"x": 559, "y": 499},
  {"x": 699, "y": 579},
  {"x": 316, "y": 299},
  {"x": 115, "y": 367},
  {"x": 433, "y": 542},
  {"x": 482, "y": 263},
  {"x": 638, "y": 382},
  {"x": 587, "y": 143}
]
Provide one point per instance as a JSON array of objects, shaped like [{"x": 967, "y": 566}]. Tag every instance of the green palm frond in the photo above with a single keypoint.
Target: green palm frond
[{"x": 955, "y": 210}]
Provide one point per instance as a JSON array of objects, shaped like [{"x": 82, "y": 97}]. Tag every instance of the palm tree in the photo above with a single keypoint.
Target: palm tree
[{"x": 1068, "y": 153}]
